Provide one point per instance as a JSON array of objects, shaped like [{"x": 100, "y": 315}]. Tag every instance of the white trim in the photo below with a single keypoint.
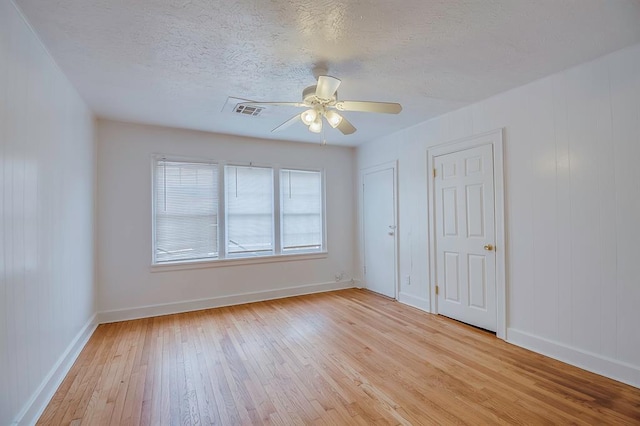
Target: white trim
[
  {"x": 373, "y": 169},
  {"x": 236, "y": 261},
  {"x": 608, "y": 367},
  {"x": 217, "y": 302},
  {"x": 414, "y": 301},
  {"x": 495, "y": 139},
  {"x": 39, "y": 400}
]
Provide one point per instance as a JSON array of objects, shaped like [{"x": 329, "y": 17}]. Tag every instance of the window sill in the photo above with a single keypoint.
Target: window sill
[{"x": 200, "y": 264}]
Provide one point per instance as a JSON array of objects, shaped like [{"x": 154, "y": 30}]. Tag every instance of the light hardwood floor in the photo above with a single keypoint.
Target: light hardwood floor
[{"x": 345, "y": 357}]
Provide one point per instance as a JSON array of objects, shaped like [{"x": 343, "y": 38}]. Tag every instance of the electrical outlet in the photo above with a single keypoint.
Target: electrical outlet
[{"x": 407, "y": 280}]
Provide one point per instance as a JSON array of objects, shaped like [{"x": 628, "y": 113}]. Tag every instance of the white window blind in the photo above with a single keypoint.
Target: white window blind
[
  {"x": 249, "y": 210},
  {"x": 186, "y": 211},
  {"x": 301, "y": 210}
]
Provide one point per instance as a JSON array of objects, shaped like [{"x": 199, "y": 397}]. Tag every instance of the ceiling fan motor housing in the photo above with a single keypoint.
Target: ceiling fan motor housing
[{"x": 309, "y": 97}]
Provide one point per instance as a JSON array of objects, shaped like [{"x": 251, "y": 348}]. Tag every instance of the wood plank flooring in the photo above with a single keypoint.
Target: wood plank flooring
[{"x": 339, "y": 358}]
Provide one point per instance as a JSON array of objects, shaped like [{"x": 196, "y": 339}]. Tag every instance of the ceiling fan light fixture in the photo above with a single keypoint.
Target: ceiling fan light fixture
[
  {"x": 316, "y": 126},
  {"x": 309, "y": 116},
  {"x": 333, "y": 118}
]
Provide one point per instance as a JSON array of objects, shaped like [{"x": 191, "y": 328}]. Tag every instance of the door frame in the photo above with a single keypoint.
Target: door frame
[
  {"x": 495, "y": 139},
  {"x": 372, "y": 169}
]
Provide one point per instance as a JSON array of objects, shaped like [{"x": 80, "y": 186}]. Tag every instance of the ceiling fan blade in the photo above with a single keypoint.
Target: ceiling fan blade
[
  {"x": 292, "y": 104},
  {"x": 287, "y": 123},
  {"x": 366, "y": 106},
  {"x": 345, "y": 127},
  {"x": 327, "y": 86}
]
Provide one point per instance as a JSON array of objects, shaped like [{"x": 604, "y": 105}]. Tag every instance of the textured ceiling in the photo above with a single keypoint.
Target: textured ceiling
[{"x": 174, "y": 62}]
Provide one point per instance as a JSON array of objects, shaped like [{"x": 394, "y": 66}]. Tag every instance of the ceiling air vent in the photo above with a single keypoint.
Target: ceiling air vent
[
  {"x": 248, "y": 110},
  {"x": 235, "y": 106}
]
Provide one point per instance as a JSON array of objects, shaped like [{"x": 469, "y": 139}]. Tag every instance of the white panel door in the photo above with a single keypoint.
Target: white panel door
[
  {"x": 465, "y": 236},
  {"x": 379, "y": 226}
]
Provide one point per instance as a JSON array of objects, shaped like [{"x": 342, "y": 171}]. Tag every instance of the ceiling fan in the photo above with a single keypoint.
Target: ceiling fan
[{"x": 321, "y": 100}]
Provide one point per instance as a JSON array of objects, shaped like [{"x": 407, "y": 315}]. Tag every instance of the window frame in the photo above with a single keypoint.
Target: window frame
[
  {"x": 323, "y": 235},
  {"x": 225, "y": 214},
  {"x": 154, "y": 161},
  {"x": 223, "y": 258}
]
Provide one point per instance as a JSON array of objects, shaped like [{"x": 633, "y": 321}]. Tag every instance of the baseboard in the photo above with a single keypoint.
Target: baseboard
[
  {"x": 217, "y": 302},
  {"x": 614, "y": 369},
  {"x": 415, "y": 301},
  {"x": 38, "y": 402}
]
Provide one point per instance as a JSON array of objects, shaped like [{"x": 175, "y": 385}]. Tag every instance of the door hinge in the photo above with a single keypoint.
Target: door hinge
[
  {"x": 437, "y": 290},
  {"x": 435, "y": 172}
]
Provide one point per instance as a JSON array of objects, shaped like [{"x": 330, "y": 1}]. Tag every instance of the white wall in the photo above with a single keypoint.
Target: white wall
[
  {"x": 572, "y": 150},
  {"x": 46, "y": 221},
  {"x": 128, "y": 287}
]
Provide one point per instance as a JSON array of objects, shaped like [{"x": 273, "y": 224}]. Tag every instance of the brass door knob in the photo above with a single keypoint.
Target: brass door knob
[{"x": 489, "y": 247}]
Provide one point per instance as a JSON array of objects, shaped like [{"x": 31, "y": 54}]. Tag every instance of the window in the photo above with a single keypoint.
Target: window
[
  {"x": 249, "y": 197},
  {"x": 186, "y": 211},
  {"x": 301, "y": 211},
  {"x": 206, "y": 211}
]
